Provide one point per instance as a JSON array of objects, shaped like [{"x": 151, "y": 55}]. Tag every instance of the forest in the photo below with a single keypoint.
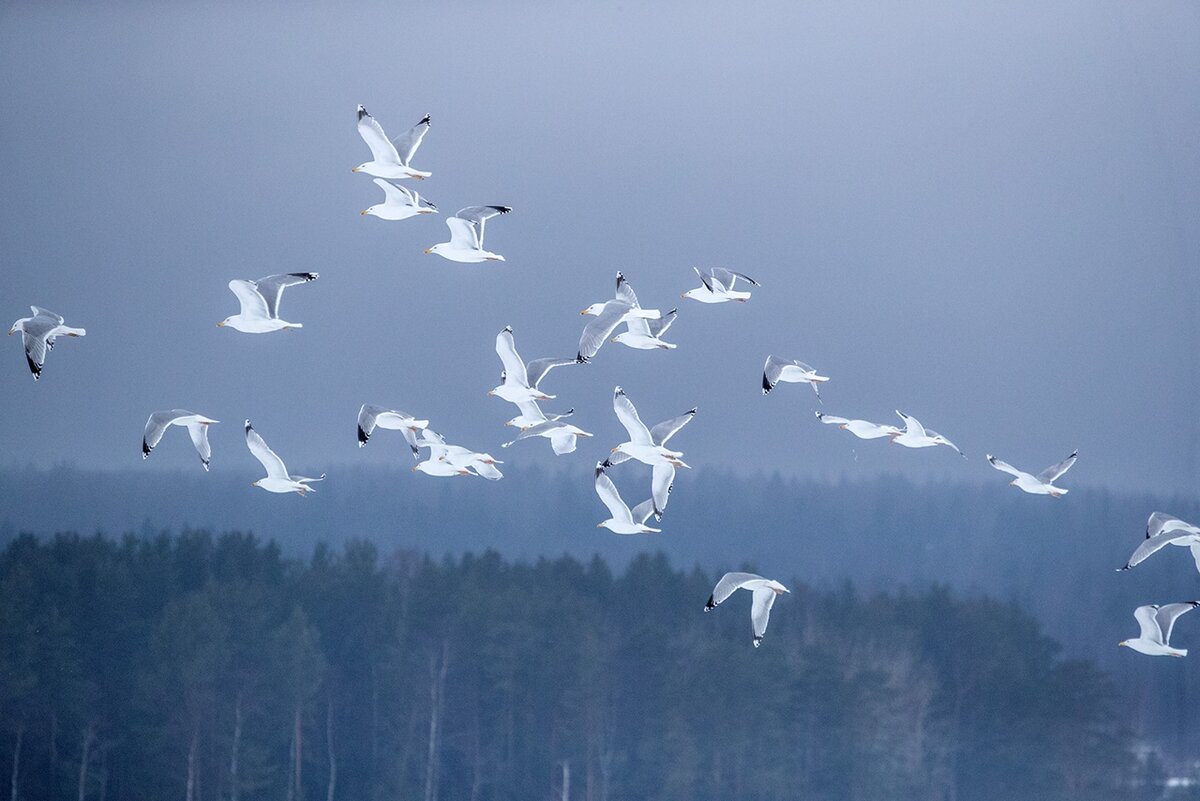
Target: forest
[{"x": 201, "y": 667}]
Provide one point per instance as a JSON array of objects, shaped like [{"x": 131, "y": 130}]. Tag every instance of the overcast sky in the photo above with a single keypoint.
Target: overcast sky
[{"x": 984, "y": 214}]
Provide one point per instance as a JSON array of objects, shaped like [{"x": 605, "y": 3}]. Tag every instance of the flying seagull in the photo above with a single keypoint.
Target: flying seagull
[
  {"x": 278, "y": 479},
  {"x": 863, "y": 429},
  {"x": 916, "y": 435},
  {"x": 790, "y": 371},
  {"x": 399, "y": 203},
  {"x": 370, "y": 416},
  {"x": 1164, "y": 529},
  {"x": 641, "y": 445},
  {"x": 260, "y": 300},
  {"x": 466, "y": 235},
  {"x": 1043, "y": 482},
  {"x": 623, "y": 520},
  {"x": 532, "y": 414},
  {"x": 763, "y": 591},
  {"x": 454, "y": 460},
  {"x": 390, "y": 158},
  {"x": 717, "y": 286},
  {"x": 623, "y": 308},
  {"x": 39, "y": 333},
  {"x": 515, "y": 384},
  {"x": 196, "y": 425},
  {"x": 662, "y": 475},
  {"x": 1156, "y": 623}
]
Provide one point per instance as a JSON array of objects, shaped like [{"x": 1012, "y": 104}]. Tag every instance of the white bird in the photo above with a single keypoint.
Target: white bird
[
  {"x": 370, "y": 416},
  {"x": 466, "y": 235},
  {"x": 399, "y": 203},
  {"x": 717, "y": 286},
  {"x": 623, "y": 308},
  {"x": 916, "y": 435},
  {"x": 1043, "y": 482},
  {"x": 646, "y": 334},
  {"x": 623, "y": 520},
  {"x": 762, "y": 590},
  {"x": 790, "y": 371},
  {"x": 260, "y": 300},
  {"x": 454, "y": 460},
  {"x": 532, "y": 414},
  {"x": 278, "y": 479},
  {"x": 562, "y": 435},
  {"x": 1156, "y": 623},
  {"x": 863, "y": 429},
  {"x": 38, "y": 333},
  {"x": 390, "y": 158},
  {"x": 662, "y": 475},
  {"x": 1163, "y": 529},
  {"x": 641, "y": 445},
  {"x": 196, "y": 425},
  {"x": 515, "y": 382}
]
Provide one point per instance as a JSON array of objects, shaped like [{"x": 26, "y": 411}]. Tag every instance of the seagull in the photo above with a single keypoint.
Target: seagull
[
  {"x": 390, "y": 158},
  {"x": 371, "y": 416},
  {"x": 641, "y": 445},
  {"x": 1163, "y": 529},
  {"x": 790, "y": 371},
  {"x": 916, "y": 435},
  {"x": 466, "y": 235},
  {"x": 515, "y": 384},
  {"x": 717, "y": 286},
  {"x": 646, "y": 334},
  {"x": 763, "y": 590},
  {"x": 624, "y": 308},
  {"x": 1156, "y": 623},
  {"x": 662, "y": 475},
  {"x": 399, "y": 203},
  {"x": 454, "y": 460},
  {"x": 1043, "y": 482},
  {"x": 39, "y": 333},
  {"x": 562, "y": 436},
  {"x": 863, "y": 429},
  {"x": 532, "y": 414},
  {"x": 278, "y": 479},
  {"x": 196, "y": 424},
  {"x": 623, "y": 520},
  {"x": 260, "y": 303}
]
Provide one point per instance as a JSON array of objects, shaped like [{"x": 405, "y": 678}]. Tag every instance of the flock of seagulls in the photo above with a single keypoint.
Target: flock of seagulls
[{"x": 520, "y": 384}]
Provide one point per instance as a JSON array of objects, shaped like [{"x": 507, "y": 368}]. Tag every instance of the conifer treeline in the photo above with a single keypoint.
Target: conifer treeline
[{"x": 203, "y": 668}]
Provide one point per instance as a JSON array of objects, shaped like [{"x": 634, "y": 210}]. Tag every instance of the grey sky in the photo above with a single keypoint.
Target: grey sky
[{"x": 984, "y": 214}]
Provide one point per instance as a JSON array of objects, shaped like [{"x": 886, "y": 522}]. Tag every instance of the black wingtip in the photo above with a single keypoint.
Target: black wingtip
[
  {"x": 766, "y": 384},
  {"x": 502, "y": 209},
  {"x": 145, "y": 449},
  {"x": 757, "y": 641},
  {"x": 710, "y": 604},
  {"x": 362, "y": 111},
  {"x": 205, "y": 463},
  {"x": 507, "y": 330},
  {"x": 363, "y": 436},
  {"x": 600, "y": 468},
  {"x": 34, "y": 367},
  {"x": 1121, "y": 569},
  {"x": 581, "y": 359},
  {"x": 691, "y": 410},
  {"x": 424, "y": 120},
  {"x": 249, "y": 427}
]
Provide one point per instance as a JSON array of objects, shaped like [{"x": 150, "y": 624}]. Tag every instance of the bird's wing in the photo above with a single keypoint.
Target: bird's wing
[
  {"x": 506, "y": 348},
  {"x": 641, "y": 513},
  {"x": 536, "y": 370},
  {"x": 563, "y": 442},
  {"x": 659, "y": 327},
  {"x": 1168, "y": 614},
  {"x": 479, "y": 215},
  {"x": 35, "y": 347},
  {"x": 1195, "y": 549},
  {"x": 367, "y": 416},
  {"x": 728, "y": 277},
  {"x": 396, "y": 194},
  {"x": 727, "y": 585},
  {"x": 1052, "y": 473},
  {"x": 625, "y": 292},
  {"x": 627, "y": 414},
  {"x": 156, "y": 426},
  {"x": 830, "y": 420},
  {"x": 267, "y": 457},
  {"x": 372, "y": 133},
  {"x": 771, "y": 370},
  {"x": 912, "y": 425},
  {"x": 38, "y": 311},
  {"x": 1160, "y": 521},
  {"x": 600, "y": 328},
  {"x": 1148, "y": 622},
  {"x": 760, "y": 611},
  {"x": 611, "y": 498},
  {"x": 406, "y": 144},
  {"x": 463, "y": 235},
  {"x": 271, "y": 288},
  {"x": 199, "y": 434},
  {"x": 930, "y": 432},
  {"x": 1153, "y": 545},
  {"x": 253, "y": 304},
  {"x": 662, "y": 477},
  {"x": 1005, "y": 467},
  {"x": 669, "y": 428},
  {"x": 530, "y": 409}
]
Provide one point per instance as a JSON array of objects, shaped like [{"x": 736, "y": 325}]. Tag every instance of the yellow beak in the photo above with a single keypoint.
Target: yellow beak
[{"x": 428, "y": 250}]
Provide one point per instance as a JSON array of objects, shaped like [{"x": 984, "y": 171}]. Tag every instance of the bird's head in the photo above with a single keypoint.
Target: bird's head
[
  {"x": 594, "y": 309},
  {"x": 1123, "y": 643},
  {"x": 370, "y": 210},
  {"x": 436, "y": 248},
  {"x": 359, "y": 168}
]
